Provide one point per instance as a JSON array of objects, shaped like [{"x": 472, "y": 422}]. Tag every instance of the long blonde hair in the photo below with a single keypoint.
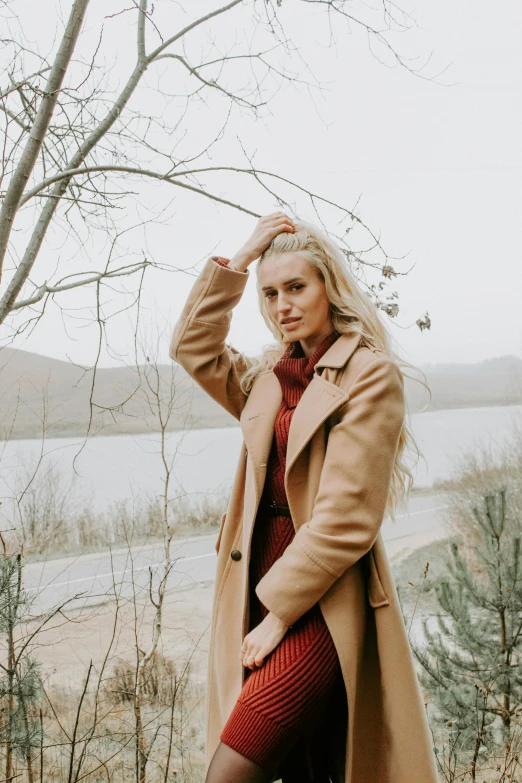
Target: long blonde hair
[{"x": 351, "y": 311}]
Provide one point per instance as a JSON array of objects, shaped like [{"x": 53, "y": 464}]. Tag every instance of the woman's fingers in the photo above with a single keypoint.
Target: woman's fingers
[
  {"x": 261, "y": 641},
  {"x": 259, "y": 658},
  {"x": 254, "y": 658},
  {"x": 279, "y": 224},
  {"x": 267, "y": 228},
  {"x": 249, "y": 657},
  {"x": 280, "y": 216},
  {"x": 248, "y": 661},
  {"x": 276, "y": 218}
]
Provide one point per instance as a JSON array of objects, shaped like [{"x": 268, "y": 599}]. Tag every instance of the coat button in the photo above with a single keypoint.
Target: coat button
[{"x": 236, "y": 554}]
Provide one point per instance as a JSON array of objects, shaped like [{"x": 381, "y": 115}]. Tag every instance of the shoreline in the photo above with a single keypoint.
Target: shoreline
[
  {"x": 80, "y": 434},
  {"x": 186, "y": 534}
]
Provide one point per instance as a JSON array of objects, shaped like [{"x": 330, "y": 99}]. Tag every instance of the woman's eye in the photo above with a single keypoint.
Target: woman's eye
[{"x": 294, "y": 287}]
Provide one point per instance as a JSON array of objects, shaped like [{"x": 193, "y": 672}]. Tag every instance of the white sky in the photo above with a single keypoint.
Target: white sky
[{"x": 436, "y": 169}]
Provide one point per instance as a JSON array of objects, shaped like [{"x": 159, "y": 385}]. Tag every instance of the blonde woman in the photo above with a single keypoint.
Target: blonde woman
[{"x": 310, "y": 674}]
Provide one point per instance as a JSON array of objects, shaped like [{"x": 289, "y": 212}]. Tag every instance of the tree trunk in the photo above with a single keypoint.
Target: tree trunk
[{"x": 41, "y": 123}]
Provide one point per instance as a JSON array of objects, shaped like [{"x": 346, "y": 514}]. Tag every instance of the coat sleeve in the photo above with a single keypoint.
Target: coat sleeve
[
  {"x": 351, "y": 499},
  {"x": 199, "y": 339}
]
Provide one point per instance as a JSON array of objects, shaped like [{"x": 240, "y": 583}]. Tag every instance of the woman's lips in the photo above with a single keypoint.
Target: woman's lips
[{"x": 290, "y": 324}]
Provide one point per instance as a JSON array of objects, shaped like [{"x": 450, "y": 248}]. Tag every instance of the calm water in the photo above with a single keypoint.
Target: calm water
[{"x": 108, "y": 469}]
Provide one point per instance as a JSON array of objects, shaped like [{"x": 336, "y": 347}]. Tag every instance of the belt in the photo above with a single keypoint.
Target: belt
[{"x": 276, "y": 509}]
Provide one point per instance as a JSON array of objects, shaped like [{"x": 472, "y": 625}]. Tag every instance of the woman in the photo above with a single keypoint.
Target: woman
[{"x": 310, "y": 674}]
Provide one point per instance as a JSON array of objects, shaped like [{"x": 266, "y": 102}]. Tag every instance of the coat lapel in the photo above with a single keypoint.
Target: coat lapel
[
  {"x": 321, "y": 398},
  {"x": 257, "y": 424},
  {"x": 340, "y": 352}
]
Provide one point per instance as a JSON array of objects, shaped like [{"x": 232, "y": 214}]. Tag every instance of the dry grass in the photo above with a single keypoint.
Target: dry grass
[
  {"x": 51, "y": 520},
  {"x": 173, "y": 717},
  {"x": 110, "y": 754},
  {"x": 88, "y": 662}
]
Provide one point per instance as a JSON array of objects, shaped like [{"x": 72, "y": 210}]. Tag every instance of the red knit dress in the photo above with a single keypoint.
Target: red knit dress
[{"x": 291, "y": 706}]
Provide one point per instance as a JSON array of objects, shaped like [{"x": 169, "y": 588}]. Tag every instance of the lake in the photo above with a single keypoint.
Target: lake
[{"x": 108, "y": 469}]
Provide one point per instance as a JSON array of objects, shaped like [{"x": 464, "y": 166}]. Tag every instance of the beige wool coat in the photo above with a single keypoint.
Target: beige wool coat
[{"x": 341, "y": 448}]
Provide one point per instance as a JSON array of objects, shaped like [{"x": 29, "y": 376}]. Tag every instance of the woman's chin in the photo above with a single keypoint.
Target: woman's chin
[{"x": 295, "y": 333}]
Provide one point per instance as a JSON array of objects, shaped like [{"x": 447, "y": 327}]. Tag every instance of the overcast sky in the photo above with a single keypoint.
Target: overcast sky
[{"x": 435, "y": 167}]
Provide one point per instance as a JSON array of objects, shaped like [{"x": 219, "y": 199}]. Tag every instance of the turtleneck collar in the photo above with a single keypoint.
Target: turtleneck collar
[{"x": 295, "y": 371}]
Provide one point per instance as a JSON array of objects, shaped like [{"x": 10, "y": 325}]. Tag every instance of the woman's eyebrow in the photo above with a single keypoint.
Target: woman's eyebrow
[{"x": 286, "y": 282}]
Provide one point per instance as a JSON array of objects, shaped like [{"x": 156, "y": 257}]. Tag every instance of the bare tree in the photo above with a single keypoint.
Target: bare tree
[
  {"x": 161, "y": 398},
  {"x": 74, "y": 146}
]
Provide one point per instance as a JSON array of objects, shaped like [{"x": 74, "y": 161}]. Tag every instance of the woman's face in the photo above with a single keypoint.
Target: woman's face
[{"x": 295, "y": 297}]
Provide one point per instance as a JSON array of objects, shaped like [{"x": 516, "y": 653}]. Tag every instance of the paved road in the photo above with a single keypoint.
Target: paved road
[{"x": 96, "y": 577}]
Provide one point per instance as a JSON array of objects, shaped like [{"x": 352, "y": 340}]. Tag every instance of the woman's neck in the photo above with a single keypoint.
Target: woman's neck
[{"x": 310, "y": 344}]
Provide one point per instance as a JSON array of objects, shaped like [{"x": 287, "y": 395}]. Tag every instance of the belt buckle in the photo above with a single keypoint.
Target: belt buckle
[{"x": 273, "y": 505}]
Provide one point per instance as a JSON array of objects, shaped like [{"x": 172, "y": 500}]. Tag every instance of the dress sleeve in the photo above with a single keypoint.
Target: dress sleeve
[
  {"x": 220, "y": 260},
  {"x": 199, "y": 339},
  {"x": 351, "y": 499}
]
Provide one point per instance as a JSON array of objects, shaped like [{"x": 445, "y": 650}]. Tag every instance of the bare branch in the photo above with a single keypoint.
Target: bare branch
[
  {"x": 212, "y": 84},
  {"x": 190, "y": 27},
  {"x": 96, "y": 278},
  {"x": 170, "y": 178},
  {"x": 17, "y": 85},
  {"x": 41, "y": 123}
]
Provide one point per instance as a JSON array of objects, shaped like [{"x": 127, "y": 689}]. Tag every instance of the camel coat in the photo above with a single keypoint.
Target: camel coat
[{"x": 341, "y": 448}]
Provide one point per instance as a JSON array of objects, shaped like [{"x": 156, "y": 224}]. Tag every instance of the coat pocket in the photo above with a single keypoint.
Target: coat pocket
[
  {"x": 376, "y": 595},
  {"x": 218, "y": 539}
]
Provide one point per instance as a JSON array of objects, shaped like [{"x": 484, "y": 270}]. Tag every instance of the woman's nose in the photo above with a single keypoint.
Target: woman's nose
[{"x": 283, "y": 305}]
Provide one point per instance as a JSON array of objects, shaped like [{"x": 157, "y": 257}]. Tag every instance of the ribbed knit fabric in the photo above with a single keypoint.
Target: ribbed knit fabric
[{"x": 288, "y": 708}]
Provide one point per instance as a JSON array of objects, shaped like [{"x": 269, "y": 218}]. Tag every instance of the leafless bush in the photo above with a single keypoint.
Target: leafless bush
[
  {"x": 202, "y": 513},
  {"x": 46, "y": 509},
  {"x": 492, "y": 767},
  {"x": 52, "y": 518},
  {"x": 173, "y": 717},
  {"x": 159, "y": 685},
  {"x": 66, "y": 729}
]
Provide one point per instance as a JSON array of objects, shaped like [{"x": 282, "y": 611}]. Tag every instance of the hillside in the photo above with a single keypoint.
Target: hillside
[
  {"x": 492, "y": 382},
  {"x": 31, "y": 384}
]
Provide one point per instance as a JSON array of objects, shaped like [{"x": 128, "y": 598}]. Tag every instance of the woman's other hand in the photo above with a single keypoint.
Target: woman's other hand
[
  {"x": 262, "y": 640},
  {"x": 268, "y": 227}
]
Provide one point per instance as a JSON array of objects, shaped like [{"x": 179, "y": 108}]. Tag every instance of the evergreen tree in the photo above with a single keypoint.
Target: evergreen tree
[
  {"x": 20, "y": 685},
  {"x": 471, "y": 661}
]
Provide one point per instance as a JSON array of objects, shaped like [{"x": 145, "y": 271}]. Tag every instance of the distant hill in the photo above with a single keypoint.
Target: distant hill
[
  {"x": 121, "y": 402},
  {"x": 492, "y": 382},
  {"x": 31, "y": 384}
]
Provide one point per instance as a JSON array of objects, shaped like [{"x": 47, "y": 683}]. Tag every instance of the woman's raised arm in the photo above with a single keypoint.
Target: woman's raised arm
[{"x": 199, "y": 339}]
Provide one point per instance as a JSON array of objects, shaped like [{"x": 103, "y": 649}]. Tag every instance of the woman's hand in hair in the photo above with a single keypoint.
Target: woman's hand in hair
[
  {"x": 262, "y": 640},
  {"x": 268, "y": 227}
]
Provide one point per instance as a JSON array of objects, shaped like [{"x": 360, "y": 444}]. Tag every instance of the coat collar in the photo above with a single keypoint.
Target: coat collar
[
  {"x": 319, "y": 400},
  {"x": 338, "y": 354}
]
